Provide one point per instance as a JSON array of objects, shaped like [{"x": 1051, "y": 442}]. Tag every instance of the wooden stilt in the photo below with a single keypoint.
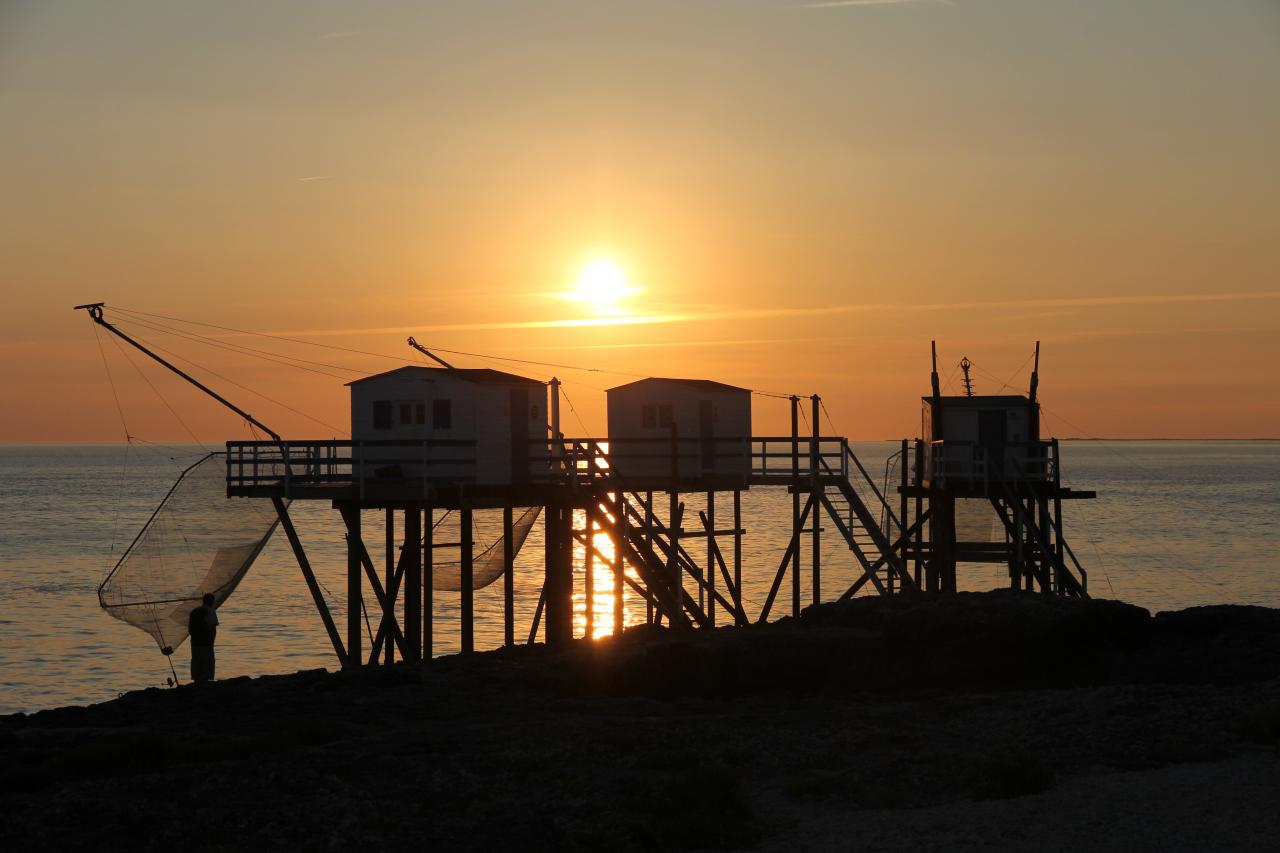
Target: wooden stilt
[
  {"x": 412, "y": 585},
  {"x": 467, "y": 596},
  {"x": 508, "y": 580},
  {"x": 737, "y": 543},
  {"x": 815, "y": 489},
  {"x": 428, "y": 580},
  {"x": 351, "y": 517},
  {"x": 648, "y": 540},
  {"x": 389, "y": 650},
  {"x": 796, "y": 522},
  {"x": 588, "y": 576},
  {"x": 312, "y": 584},
  {"x": 711, "y": 559},
  {"x": 619, "y": 568}
]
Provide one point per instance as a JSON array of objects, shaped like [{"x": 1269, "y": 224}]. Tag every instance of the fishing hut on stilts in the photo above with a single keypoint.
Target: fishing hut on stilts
[
  {"x": 435, "y": 442},
  {"x": 987, "y": 450}
]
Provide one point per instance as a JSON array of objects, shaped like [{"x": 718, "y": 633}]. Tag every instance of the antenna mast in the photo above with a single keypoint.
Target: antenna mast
[
  {"x": 428, "y": 353},
  {"x": 965, "y": 364},
  {"x": 933, "y": 377}
]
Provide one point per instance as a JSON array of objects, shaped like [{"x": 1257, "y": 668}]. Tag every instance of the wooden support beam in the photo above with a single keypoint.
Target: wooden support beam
[
  {"x": 428, "y": 580},
  {"x": 390, "y": 581},
  {"x": 384, "y": 602},
  {"x": 709, "y": 527},
  {"x": 282, "y": 512},
  {"x": 411, "y": 557},
  {"x": 508, "y": 579},
  {"x": 619, "y": 567},
  {"x": 466, "y": 615},
  {"x": 791, "y": 555},
  {"x": 815, "y": 489},
  {"x": 797, "y": 523},
  {"x": 740, "y": 617},
  {"x": 588, "y": 576},
  {"x": 351, "y": 518},
  {"x": 737, "y": 542}
]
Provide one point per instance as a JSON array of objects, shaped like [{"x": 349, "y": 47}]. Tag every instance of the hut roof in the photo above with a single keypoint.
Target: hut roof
[
  {"x": 478, "y": 375},
  {"x": 699, "y": 384}
]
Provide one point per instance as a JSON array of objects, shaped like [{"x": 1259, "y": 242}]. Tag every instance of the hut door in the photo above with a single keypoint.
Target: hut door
[
  {"x": 993, "y": 433},
  {"x": 519, "y": 435},
  {"x": 705, "y": 418}
]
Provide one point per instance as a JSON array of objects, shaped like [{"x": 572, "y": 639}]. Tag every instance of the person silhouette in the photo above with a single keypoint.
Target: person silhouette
[{"x": 202, "y": 625}]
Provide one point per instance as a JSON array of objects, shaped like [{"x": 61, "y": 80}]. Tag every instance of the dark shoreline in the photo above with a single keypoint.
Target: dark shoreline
[{"x": 844, "y": 728}]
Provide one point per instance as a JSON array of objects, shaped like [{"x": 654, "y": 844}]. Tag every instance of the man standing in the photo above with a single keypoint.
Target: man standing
[{"x": 202, "y": 625}]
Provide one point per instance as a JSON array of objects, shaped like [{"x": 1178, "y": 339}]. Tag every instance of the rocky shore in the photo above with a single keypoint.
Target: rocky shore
[{"x": 992, "y": 721}]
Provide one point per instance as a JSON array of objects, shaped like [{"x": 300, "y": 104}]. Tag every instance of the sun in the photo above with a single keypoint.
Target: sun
[{"x": 602, "y": 284}]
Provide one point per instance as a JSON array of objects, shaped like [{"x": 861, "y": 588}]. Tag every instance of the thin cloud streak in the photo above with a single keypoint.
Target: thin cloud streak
[{"x": 816, "y": 311}]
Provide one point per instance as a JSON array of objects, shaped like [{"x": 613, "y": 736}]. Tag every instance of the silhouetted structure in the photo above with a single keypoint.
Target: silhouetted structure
[{"x": 428, "y": 441}]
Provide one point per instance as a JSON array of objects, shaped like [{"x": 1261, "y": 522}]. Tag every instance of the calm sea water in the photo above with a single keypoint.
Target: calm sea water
[{"x": 1176, "y": 524}]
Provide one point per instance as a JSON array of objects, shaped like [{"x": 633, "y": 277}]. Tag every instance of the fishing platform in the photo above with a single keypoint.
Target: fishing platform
[{"x": 430, "y": 442}]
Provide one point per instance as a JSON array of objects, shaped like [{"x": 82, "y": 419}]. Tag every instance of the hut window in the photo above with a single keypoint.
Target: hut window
[
  {"x": 664, "y": 415},
  {"x": 533, "y": 412},
  {"x": 382, "y": 414},
  {"x": 419, "y": 413},
  {"x": 649, "y": 416},
  {"x": 406, "y": 414},
  {"x": 441, "y": 414}
]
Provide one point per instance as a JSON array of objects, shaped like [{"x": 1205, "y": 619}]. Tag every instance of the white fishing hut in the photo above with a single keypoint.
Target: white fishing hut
[
  {"x": 969, "y": 435},
  {"x": 710, "y": 421},
  {"x": 498, "y": 421}
]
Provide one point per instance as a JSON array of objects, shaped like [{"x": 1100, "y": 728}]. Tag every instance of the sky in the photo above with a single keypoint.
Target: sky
[{"x": 793, "y": 197}]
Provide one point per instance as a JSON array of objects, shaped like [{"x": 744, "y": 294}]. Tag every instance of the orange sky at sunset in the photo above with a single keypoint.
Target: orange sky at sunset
[{"x": 793, "y": 197}]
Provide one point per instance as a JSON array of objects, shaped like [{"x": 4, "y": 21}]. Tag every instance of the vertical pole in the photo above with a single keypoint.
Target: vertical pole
[
  {"x": 558, "y": 581},
  {"x": 737, "y": 544},
  {"x": 412, "y": 585},
  {"x": 815, "y": 489},
  {"x": 351, "y": 516},
  {"x": 795, "y": 505},
  {"x": 588, "y": 576},
  {"x": 919, "y": 484},
  {"x": 648, "y": 541},
  {"x": 711, "y": 560},
  {"x": 673, "y": 508},
  {"x": 619, "y": 587},
  {"x": 903, "y": 520},
  {"x": 428, "y": 579},
  {"x": 465, "y": 537},
  {"x": 508, "y": 580},
  {"x": 389, "y": 654},
  {"x": 1057, "y": 508},
  {"x": 554, "y": 410},
  {"x": 550, "y": 556}
]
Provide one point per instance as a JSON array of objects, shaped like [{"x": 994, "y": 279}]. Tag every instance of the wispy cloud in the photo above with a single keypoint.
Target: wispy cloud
[
  {"x": 808, "y": 311},
  {"x": 314, "y": 178},
  {"x": 836, "y": 4}
]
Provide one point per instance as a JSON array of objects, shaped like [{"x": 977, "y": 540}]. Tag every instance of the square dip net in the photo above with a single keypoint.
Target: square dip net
[{"x": 197, "y": 541}]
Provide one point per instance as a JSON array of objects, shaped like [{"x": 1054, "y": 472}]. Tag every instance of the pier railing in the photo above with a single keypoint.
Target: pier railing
[
  {"x": 971, "y": 464},
  {"x": 287, "y": 465},
  {"x": 719, "y": 461}
]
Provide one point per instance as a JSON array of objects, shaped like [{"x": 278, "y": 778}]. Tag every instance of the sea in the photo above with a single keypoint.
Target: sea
[{"x": 1175, "y": 524}]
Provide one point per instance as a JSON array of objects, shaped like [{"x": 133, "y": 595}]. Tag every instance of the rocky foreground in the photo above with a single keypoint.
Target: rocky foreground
[{"x": 976, "y": 721}]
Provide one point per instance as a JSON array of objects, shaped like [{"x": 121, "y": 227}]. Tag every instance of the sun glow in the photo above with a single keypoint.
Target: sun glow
[{"x": 602, "y": 284}]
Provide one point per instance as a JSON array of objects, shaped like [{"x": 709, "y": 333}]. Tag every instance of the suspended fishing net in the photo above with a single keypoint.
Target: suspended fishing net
[
  {"x": 486, "y": 566},
  {"x": 197, "y": 541}
]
